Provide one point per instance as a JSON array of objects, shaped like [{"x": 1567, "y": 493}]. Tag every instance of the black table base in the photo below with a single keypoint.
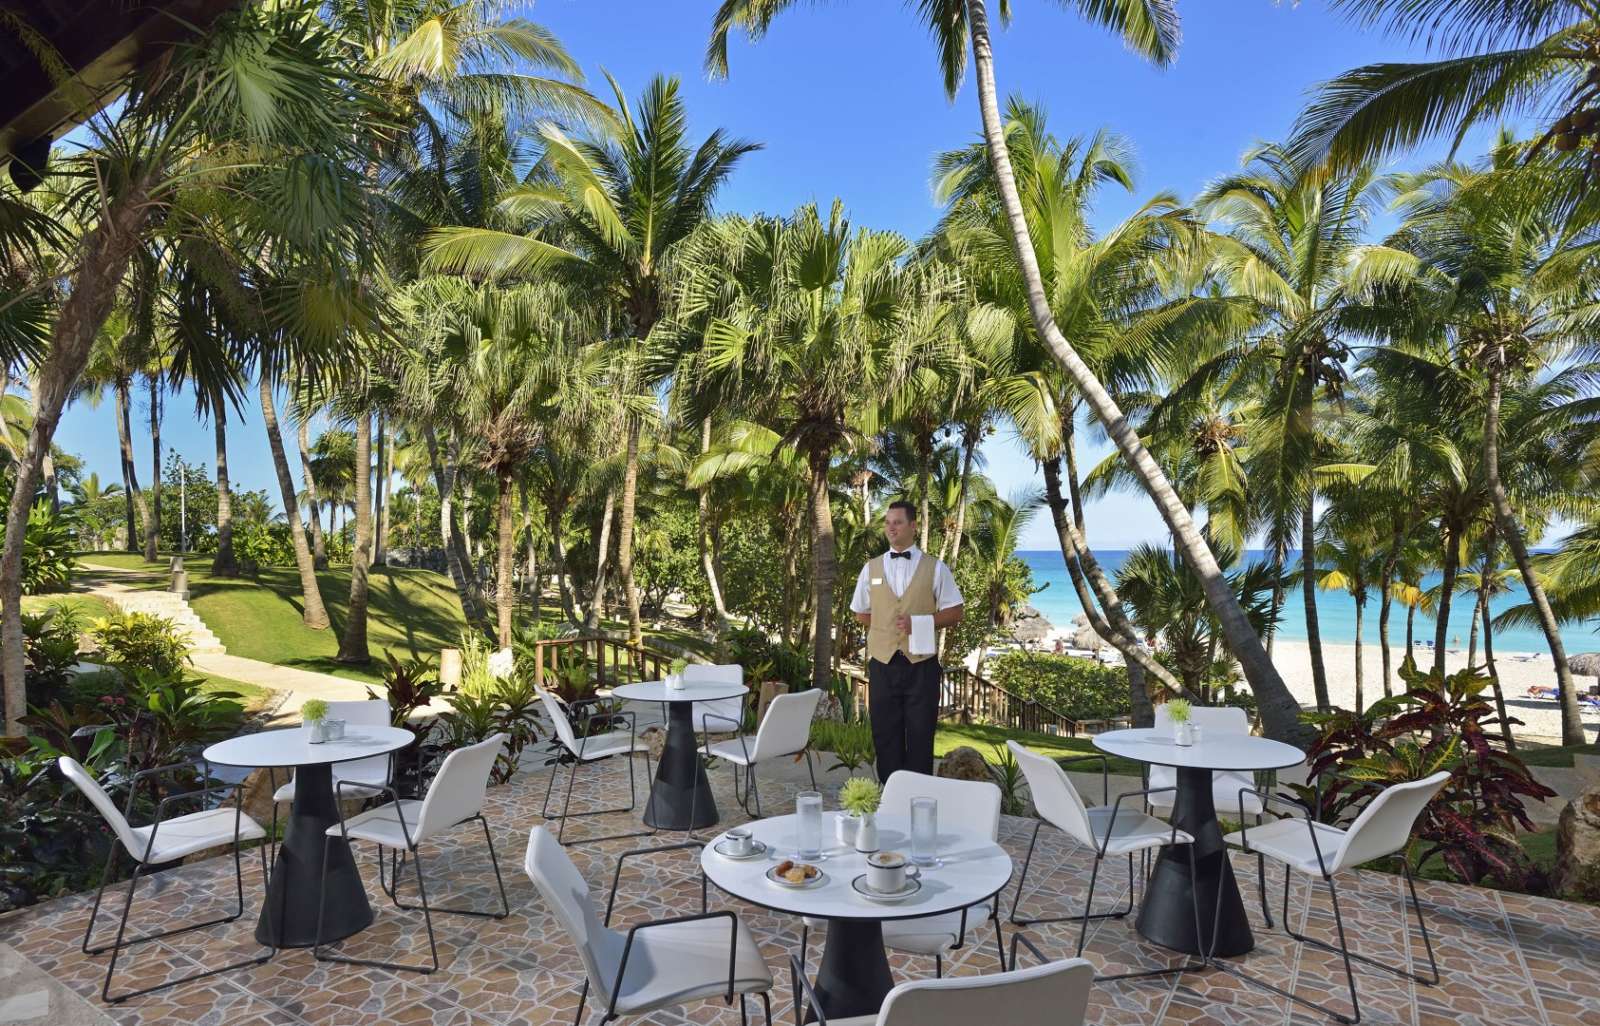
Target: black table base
[
  {"x": 854, "y": 977},
  {"x": 289, "y": 913},
  {"x": 680, "y": 795},
  {"x": 1167, "y": 916}
]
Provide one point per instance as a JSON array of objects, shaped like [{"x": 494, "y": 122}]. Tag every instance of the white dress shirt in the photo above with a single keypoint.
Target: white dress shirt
[{"x": 897, "y": 575}]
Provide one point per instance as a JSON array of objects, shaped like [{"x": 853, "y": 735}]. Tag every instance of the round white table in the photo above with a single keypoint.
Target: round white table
[
  {"x": 1167, "y": 917},
  {"x": 289, "y": 911},
  {"x": 854, "y": 976},
  {"x": 680, "y": 792}
]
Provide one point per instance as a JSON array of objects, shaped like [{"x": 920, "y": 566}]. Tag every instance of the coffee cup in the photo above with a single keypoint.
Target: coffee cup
[
  {"x": 887, "y": 872},
  {"x": 740, "y": 842}
]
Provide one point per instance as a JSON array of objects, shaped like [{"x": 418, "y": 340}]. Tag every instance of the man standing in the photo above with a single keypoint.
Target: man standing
[{"x": 903, "y": 596}]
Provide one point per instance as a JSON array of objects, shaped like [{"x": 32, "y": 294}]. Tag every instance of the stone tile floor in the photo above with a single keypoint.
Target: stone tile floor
[{"x": 1505, "y": 958}]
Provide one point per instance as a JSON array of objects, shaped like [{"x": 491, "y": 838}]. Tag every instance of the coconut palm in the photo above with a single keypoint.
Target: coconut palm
[
  {"x": 608, "y": 210},
  {"x": 1348, "y": 558}
]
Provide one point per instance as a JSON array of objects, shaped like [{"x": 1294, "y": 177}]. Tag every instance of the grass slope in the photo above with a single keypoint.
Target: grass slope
[{"x": 986, "y": 739}]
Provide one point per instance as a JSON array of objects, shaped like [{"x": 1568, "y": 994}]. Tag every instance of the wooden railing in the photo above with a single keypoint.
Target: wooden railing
[
  {"x": 611, "y": 661},
  {"x": 969, "y": 698}
]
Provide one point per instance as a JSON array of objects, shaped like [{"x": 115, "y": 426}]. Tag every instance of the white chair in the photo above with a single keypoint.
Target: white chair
[
  {"x": 455, "y": 797},
  {"x": 725, "y": 710},
  {"x": 785, "y": 730},
  {"x": 1106, "y": 830},
  {"x": 593, "y": 748},
  {"x": 1381, "y": 830},
  {"x": 661, "y": 964},
  {"x": 165, "y": 840},
  {"x": 1056, "y": 993},
  {"x": 974, "y": 807},
  {"x": 368, "y": 777}
]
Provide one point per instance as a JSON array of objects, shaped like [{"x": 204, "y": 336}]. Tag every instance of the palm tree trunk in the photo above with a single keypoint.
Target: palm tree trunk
[
  {"x": 353, "y": 642},
  {"x": 1386, "y": 600},
  {"x": 132, "y": 497},
  {"x": 630, "y": 494},
  {"x": 444, "y": 479},
  {"x": 1478, "y": 603},
  {"x": 1447, "y": 588},
  {"x": 597, "y": 600},
  {"x": 556, "y": 514},
  {"x": 1361, "y": 606},
  {"x": 319, "y": 544},
  {"x": 98, "y": 266},
  {"x": 380, "y": 508},
  {"x": 1280, "y": 556},
  {"x": 1280, "y": 713},
  {"x": 824, "y": 566},
  {"x": 708, "y": 564},
  {"x": 1494, "y": 676},
  {"x": 1506, "y": 520},
  {"x": 1308, "y": 589},
  {"x": 969, "y": 445},
  {"x": 223, "y": 564},
  {"x": 312, "y": 613},
  {"x": 152, "y": 527},
  {"x": 924, "y": 459},
  {"x": 505, "y": 599},
  {"x": 1411, "y": 634},
  {"x": 532, "y": 586}
]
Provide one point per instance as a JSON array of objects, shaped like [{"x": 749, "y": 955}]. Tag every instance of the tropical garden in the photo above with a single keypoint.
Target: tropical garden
[{"x": 501, "y": 331}]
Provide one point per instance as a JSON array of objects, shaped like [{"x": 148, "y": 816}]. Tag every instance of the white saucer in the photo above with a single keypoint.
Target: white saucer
[
  {"x": 816, "y": 881},
  {"x": 758, "y": 850},
  {"x": 859, "y": 885}
]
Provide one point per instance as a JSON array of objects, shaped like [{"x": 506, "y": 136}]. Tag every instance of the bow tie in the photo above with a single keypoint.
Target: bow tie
[{"x": 900, "y": 555}]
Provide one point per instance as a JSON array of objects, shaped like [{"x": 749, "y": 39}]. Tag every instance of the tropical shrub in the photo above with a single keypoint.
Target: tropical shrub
[
  {"x": 52, "y": 842},
  {"x": 50, "y": 646},
  {"x": 851, "y": 742},
  {"x": 1437, "y": 723},
  {"x": 47, "y": 551},
  {"x": 140, "y": 641},
  {"x": 1008, "y": 775},
  {"x": 407, "y": 687},
  {"x": 1079, "y": 689}
]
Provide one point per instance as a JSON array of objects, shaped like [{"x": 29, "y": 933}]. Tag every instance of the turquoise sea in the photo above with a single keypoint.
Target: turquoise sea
[{"x": 1336, "y": 611}]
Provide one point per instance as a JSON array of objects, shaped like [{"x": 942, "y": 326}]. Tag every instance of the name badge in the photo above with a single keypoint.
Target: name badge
[{"x": 877, "y": 581}]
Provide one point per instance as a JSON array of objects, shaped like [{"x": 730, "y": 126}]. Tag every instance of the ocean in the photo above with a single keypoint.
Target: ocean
[{"x": 1336, "y": 611}]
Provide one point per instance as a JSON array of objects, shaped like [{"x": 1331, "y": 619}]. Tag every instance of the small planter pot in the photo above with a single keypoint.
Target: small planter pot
[
  {"x": 845, "y": 827},
  {"x": 867, "y": 834},
  {"x": 1183, "y": 734},
  {"x": 315, "y": 732}
]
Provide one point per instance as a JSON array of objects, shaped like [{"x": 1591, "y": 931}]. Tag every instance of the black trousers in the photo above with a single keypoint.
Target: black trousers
[{"x": 904, "y": 701}]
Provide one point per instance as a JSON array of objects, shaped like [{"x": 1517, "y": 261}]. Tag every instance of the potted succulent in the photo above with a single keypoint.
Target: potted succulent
[
  {"x": 312, "y": 716},
  {"x": 859, "y": 798},
  {"x": 1182, "y": 724},
  {"x": 675, "y": 674}
]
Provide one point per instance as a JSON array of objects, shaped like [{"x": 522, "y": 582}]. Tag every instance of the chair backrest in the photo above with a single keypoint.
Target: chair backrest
[
  {"x": 974, "y": 805},
  {"x": 558, "y": 719},
  {"x": 73, "y": 770},
  {"x": 723, "y": 708},
  {"x": 367, "y": 713},
  {"x": 1056, "y": 993},
  {"x": 1384, "y": 826},
  {"x": 457, "y": 789},
  {"x": 786, "y": 729},
  {"x": 1054, "y": 797},
  {"x": 565, "y": 891},
  {"x": 1214, "y": 720}
]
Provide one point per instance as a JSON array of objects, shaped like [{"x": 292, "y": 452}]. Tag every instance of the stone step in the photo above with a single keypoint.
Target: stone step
[{"x": 171, "y": 606}]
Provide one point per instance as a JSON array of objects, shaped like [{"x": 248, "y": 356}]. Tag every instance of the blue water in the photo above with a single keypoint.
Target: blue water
[{"x": 1336, "y": 611}]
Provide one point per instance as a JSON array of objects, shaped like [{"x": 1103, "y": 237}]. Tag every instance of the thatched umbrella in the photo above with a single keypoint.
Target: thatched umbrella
[
  {"x": 1030, "y": 625},
  {"x": 1586, "y": 664}
]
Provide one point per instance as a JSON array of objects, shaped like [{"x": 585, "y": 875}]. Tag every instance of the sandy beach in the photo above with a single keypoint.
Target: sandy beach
[{"x": 1541, "y": 719}]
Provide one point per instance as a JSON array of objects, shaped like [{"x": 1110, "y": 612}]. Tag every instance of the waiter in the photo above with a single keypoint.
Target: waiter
[{"x": 903, "y": 596}]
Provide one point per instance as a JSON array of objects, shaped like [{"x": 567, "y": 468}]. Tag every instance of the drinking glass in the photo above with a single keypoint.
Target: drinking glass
[
  {"x": 925, "y": 831},
  {"x": 808, "y": 825}
]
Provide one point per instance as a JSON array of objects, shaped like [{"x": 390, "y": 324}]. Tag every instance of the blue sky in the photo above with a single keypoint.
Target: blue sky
[{"x": 847, "y": 99}]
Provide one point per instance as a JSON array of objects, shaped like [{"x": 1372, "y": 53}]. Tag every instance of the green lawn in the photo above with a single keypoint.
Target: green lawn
[
  {"x": 1555, "y": 756},
  {"x": 985, "y": 739},
  {"x": 88, "y": 607}
]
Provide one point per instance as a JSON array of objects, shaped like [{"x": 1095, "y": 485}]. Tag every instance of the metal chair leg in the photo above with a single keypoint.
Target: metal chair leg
[
  {"x": 1187, "y": 967},
  {"x": 505, "y": 904},
  {"x": 583, "y": 997},
  {"x": 321, "y": 954},
  {"x": 811, "y": 769},
  {"x": 1022, "y": 881},
  {"x": 567, "y": 813}
]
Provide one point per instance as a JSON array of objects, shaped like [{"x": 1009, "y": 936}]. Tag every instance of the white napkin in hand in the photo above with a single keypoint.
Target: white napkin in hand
[{"x": 922, "y": 635}]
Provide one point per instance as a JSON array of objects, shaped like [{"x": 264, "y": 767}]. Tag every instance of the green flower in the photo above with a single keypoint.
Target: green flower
[
  {"x": 859, "y": 796},
  {"x": 1178, "y": 710},
  {"x": 315, "y": 710}
]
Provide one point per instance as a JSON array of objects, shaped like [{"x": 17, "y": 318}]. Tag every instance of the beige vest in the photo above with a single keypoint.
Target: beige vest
[{"x": 883, "y": 640}]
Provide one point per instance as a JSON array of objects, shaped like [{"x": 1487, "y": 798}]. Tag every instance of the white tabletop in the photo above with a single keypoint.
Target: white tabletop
[
  {"x": 1213, "y": 752},
  {"x": 974, "y": 868},
  {"x": 289, "y": 747},
  {"x": 657, "y": 691}
]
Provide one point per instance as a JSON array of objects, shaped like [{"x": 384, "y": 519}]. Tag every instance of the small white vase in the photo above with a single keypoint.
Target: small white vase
[
  {"x": 845, "y": 827},
  {"x": 867, "y": 834},
  {"x": 313, "y": 732},
  {"x": 674, "y": 682},
  {"x": 1183, "y": 733}
]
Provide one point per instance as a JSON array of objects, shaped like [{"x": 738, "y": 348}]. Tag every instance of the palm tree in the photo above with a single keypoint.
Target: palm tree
[
  {"x": 994, "y": 544},
  {"x": 88, "y": 496},
  {"x": 1347, "y": 558},
  {"x": 608, "y": 211},
  {"x": 1150, "y": 27}
]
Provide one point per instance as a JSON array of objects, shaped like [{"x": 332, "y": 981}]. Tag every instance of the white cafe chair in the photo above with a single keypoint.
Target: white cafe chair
[
  {"x": 1106, "y": 830},
  {"x": 660, "y": 964},
  {"x": 1383, "y": 829},
  {"x": 973, "y": 806},
  {"x": 366, "y": 778},
  {"x": 784, "y": 731},
  {"x": 454, "y": 798},
  {"x": 593, "y": 747},
  {"x": 723, "y": 710},
  {"x": 165, "y": 840},
  {"x": 1056, "y": 993}
]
